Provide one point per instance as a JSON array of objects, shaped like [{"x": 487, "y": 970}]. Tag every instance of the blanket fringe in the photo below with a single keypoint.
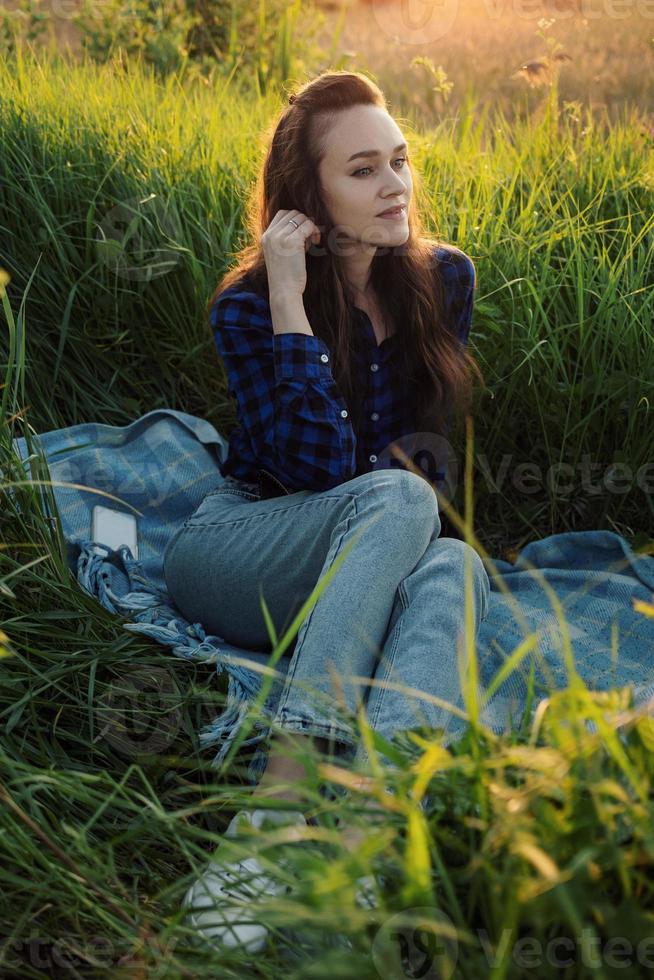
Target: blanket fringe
[{"x": 147, "y": 609}]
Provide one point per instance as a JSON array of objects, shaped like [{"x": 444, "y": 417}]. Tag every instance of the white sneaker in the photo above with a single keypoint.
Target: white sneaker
[{"x": 218, "y": 901}]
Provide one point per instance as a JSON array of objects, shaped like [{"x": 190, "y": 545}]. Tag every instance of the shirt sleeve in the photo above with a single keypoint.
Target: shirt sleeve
[
  {"x": 289, "y": 404},
  {"x": 460, "y": 280}
]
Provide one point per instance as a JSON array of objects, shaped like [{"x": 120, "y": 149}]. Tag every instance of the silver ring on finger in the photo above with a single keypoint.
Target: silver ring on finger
[{"x": 292, "y": 222}]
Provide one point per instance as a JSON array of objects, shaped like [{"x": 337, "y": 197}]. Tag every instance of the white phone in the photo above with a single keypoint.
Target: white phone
[{"x": 114, "y": 528}]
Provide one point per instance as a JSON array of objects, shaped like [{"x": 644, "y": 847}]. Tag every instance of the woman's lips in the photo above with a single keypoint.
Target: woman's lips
[{"x": 394, "y": 215}]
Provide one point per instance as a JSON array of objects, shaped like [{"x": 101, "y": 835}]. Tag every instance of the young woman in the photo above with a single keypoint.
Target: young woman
[{"x": 343, "y": 330}]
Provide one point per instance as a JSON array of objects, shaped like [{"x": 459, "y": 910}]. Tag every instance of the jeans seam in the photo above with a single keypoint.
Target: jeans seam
[
  {"x": 279, "y": 510},
  {"x": 233, "y": 490},
  {"x": 391, "y": 659},
  {"x": 285, "y": 694},
  {"x": 317, "y": 728}
]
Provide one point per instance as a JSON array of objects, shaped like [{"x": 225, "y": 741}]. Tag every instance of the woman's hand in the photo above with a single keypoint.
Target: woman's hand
[{"x": 284, "y": 249}]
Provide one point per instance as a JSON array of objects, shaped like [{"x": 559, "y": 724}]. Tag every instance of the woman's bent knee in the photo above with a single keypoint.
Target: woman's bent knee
[{"x": 405, "y": 497}]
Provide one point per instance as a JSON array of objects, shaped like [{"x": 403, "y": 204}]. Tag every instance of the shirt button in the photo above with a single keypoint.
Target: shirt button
[
  {"x": 374, "y": 416},
  {"x": 373, "y": 458},
  {"x": 374, "y": 367},
  {"x": 343, "y": 413},
  {"x": 324, "y": 358}
]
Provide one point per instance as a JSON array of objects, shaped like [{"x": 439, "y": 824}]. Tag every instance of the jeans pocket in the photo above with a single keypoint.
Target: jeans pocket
[{"x": 236, "y": 491}]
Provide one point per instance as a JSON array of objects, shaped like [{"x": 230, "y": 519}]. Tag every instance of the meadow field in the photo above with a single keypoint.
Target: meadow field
[
  {"x": 536, "y": 842},
  {"x": 432, "y": 57},
  {"x": 505, "y": 53}
]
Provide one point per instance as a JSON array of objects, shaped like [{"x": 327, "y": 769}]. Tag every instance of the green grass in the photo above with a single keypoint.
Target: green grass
[{"x": 543, "y": 833}]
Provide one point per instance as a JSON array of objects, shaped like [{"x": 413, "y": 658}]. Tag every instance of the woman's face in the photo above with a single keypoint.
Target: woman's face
[{"x": 357, "y": 188}]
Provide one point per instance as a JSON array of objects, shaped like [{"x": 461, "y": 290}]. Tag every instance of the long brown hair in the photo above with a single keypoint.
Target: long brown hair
[{"x": 434, "y": 367}]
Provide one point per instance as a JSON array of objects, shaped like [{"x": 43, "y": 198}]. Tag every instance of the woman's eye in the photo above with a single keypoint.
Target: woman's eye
[{"x": 357, "y": 172}]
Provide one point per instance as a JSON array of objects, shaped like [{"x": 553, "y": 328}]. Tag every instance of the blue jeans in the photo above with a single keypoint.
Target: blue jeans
[{"x": 394, "y": 610}]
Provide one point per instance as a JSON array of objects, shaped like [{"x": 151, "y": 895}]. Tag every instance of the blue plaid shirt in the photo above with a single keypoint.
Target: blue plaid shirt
[{"x": 294, "y": 423}]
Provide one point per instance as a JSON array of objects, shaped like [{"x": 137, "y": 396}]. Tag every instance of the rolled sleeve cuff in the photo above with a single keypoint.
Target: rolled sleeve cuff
[{"x": 301, "y": 356}]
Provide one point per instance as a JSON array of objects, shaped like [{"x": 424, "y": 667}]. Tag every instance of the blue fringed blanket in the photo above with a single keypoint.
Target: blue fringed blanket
[{"x": 165, "y": 462}]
